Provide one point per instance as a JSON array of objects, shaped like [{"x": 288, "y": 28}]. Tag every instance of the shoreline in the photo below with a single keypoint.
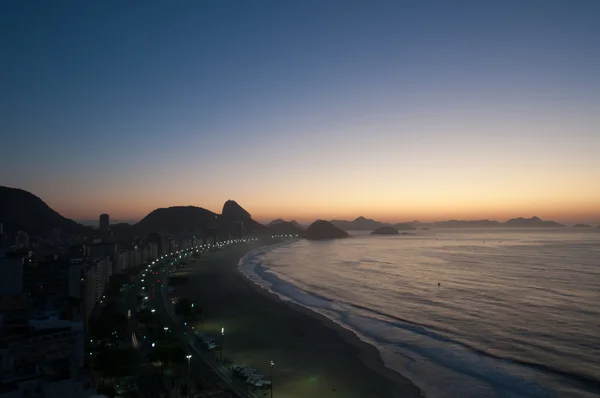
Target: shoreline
[
  {"x": 368, "y": 353},
  {"x": 343, "y": 364}
]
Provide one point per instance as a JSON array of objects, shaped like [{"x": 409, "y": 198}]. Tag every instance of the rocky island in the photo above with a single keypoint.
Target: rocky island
[
  {"x": 581, "y": 226},
  {"x": 320, "y": 230},
  {"x": 385, "y": 231}
]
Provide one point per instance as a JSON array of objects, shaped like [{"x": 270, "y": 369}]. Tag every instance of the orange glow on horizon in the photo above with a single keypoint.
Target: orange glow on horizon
[{"x": 561, "y": 211}]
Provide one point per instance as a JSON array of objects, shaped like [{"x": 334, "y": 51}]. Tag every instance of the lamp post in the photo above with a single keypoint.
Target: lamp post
[
  {"x": 222, "y": 341},
  {"x": 189, "y": 358},
  {"x": 272, "y": 365},
  {"x": 166, "y": 328}
]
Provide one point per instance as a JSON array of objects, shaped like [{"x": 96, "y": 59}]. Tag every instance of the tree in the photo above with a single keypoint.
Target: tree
[
  {"x": 107, "y": 389},
  {"x": 109, "y": 321},
  {"x": 184, "y": 390},
  {"x": 187, "y": 308},
  {"x": 148, "y": 318},
  {"x": 167, "y": 354},
  {"x": 116, "y": 362}
]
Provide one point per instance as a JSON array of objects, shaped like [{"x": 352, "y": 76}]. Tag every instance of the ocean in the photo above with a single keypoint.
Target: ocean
[{"x": 516, "y": 312}]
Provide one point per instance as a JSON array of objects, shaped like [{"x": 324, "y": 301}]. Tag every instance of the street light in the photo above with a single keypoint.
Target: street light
[
  {"x": 166, "y": 328},
  {"x": 272, "y": 365},
  {"x": 153, "y": 310},
  {"x": 189, "y": 358},
  {"x": 222, "y": 340}
]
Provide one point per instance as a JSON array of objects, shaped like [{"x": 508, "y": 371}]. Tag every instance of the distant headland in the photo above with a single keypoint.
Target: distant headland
[
  {"x": 385, "y": 230},
  {"x": 23, "y": 211},
  {"x": 366, "y": 224}
]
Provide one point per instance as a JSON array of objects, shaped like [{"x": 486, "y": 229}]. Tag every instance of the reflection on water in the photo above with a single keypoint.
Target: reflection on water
[{"x": 515, "y": 313}]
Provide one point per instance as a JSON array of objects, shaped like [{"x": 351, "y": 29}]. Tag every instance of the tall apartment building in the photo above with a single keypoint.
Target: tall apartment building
[
  {"x": 103, "y": 222},
  {"x": 122, "y": 261},
  {"x": 87, "y": 281}
]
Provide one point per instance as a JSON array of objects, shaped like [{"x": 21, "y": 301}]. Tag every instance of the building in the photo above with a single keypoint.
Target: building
[
  {"x": 11, "y": 273},
  {"x": 76, "y": 278},
  {"x": 47, "y": 281},
  {"x": 152, "y": 250},
  {"x": 104, "y": 222},
  {"x": 22, "y": 240},
  {"x": 122, "y": 261},
  {"x": 50, "y": 386},
  {"x": 87, "y": 282},
  {"x": 96, "y": 278},
  {"x": 44, "y": 358}
]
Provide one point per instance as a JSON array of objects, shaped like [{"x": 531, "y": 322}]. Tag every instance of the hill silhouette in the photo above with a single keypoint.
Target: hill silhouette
[
  {"x": 233, "y": 210},
  {"x": 404, "y": 226},
  {"x": 366, "y": 224},
  {"x": 386, "y": 230},
  {"x": 177, "y": 220},
  {"x": 23, "y": 211},
  {"x": 233, "y": 213},
  {"x": 321, "y": 229},
  {"x": 285, "y": 228},
  {"x": 581, "y": 226},
  {"x": 358, "y": 224},
  {"x": 531, "y": 222},
  {"x": 195, "y": 220},
  {"x": 466, "y": 224}
]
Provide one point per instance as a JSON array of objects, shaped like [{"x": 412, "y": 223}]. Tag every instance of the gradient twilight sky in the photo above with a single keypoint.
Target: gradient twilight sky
[{"x": 305, "y": 109}]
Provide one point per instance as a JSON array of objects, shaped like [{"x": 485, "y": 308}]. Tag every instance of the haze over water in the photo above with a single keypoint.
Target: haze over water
[{"x": 516, "y": 313}]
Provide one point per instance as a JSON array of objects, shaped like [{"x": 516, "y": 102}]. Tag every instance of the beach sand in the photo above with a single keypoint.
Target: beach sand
[{"x": 313, "y": 356}]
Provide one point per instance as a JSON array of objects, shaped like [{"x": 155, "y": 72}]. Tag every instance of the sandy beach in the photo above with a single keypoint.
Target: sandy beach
[{"x": 313, "y": 356}]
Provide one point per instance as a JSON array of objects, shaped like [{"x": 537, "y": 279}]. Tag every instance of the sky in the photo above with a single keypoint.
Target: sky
[{"x": 394, "y": 110}]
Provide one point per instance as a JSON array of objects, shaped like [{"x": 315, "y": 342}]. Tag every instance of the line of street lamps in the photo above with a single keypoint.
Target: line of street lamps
[{"x": 189, "y": 356}]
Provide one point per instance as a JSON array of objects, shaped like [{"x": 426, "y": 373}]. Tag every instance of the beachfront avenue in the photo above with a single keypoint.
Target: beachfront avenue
[{"x": 156, "y": 349}]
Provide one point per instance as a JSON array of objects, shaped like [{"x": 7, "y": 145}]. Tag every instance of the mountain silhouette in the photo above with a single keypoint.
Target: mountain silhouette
[
  {"x": 233, "y": 213},
  {"x": 285, "y": 228},
  {"x": 23, "y": 211},
  {"x": 177, "y": 220},
  {"x": 386, "y": 230},
  {"x": 232, "y": 209},
  {"x": 531, "y": 222},
  {"x": 321, "y": 229},
  {"x": 466, "y": 224},
  {"x": 281, "y": 220},
  {"x": 404, "y": 226},
  {"x": 359, "y": 224},
  {"x": 194, "y": 220}
]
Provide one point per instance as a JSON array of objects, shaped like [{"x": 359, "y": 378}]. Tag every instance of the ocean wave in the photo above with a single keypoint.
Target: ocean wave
[{"x": 416, "y": 343}]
